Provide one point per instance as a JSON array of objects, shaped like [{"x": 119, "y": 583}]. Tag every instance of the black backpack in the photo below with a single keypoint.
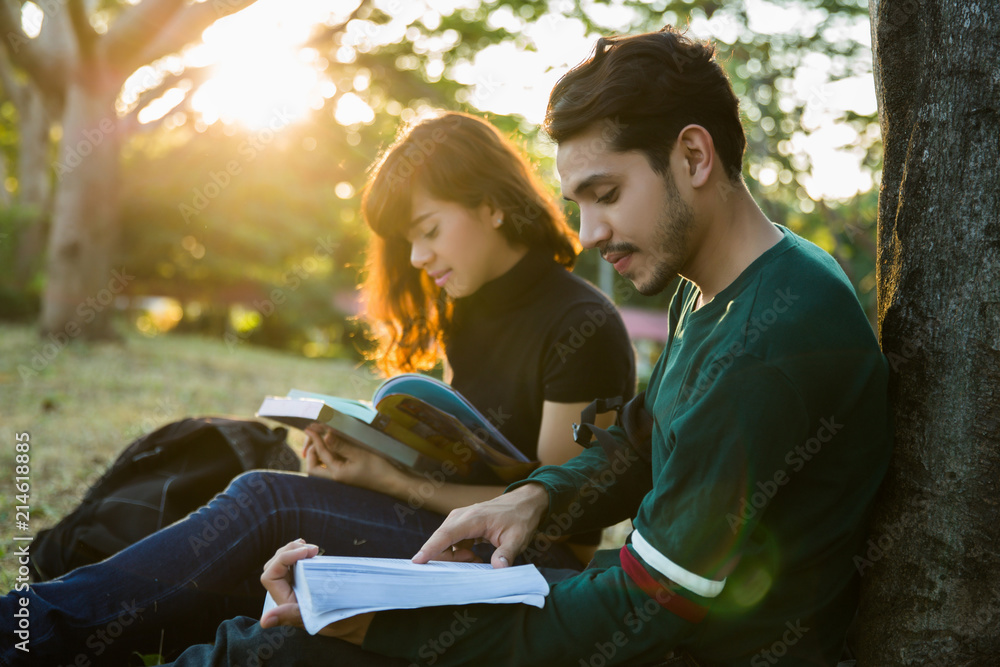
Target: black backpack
[{"x": 158, "y": 479}]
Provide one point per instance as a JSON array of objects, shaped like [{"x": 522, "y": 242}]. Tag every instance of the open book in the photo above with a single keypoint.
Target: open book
[
  {"x": 416, "y": 422},
  {"x": 331, "y": 588}
]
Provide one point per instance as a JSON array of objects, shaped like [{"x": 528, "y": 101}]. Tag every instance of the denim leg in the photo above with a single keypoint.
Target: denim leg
[
  {"x": 243, "y": 642},
  {"x": 178, "y": 584}
]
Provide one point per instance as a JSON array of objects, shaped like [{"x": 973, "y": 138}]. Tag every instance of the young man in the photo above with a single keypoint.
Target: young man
[
  {"x": 771, "y": 431},
  {"x": 770, "y": 426}
]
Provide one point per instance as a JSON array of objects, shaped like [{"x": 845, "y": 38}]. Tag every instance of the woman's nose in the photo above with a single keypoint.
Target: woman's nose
[{"x": 419, "y": 255}]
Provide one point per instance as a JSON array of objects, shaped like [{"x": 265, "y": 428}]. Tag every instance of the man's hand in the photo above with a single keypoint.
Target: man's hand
[
  {"x": 508, "y": 522},
  {"x": 277, "y": 579}
]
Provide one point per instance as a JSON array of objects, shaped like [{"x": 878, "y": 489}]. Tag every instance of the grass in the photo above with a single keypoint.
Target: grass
[{"x": 83, "y": 403}]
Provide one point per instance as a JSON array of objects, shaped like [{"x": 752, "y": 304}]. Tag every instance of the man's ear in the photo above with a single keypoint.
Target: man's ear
[{"x": 698, "y": 153}]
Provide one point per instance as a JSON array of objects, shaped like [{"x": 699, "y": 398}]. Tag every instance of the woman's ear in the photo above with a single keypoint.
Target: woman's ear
[
  {"x": 698, "y": 152},
  {"x": 492, "y": 214}
]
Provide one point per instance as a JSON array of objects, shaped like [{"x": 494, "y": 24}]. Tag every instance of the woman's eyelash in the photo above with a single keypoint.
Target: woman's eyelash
[{"x": 431, "y": 233}]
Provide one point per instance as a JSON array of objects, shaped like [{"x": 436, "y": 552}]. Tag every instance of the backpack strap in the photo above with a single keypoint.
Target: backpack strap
[
  {"x": 632, "y": 418},
  {"x": 589, "y": 415}
]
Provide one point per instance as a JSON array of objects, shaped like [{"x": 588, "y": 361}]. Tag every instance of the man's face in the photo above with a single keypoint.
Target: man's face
[{"x": 636, "y": 217}]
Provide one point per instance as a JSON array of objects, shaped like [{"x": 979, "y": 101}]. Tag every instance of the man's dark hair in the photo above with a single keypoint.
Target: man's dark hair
[{"x": 648, "y": 87}]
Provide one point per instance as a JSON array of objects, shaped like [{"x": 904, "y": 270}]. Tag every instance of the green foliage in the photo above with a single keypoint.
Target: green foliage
[
  {"x": 19, "y": 295},
  {"x": 8, "y": 136},
  {"x": 257, "y": 223}
]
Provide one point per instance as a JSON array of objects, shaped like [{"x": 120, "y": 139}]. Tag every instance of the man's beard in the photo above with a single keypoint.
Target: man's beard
[{"x": 673, "y": 231}]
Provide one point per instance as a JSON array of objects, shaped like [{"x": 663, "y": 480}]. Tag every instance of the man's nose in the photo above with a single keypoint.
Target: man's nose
[{"x": 594, "y": 229}]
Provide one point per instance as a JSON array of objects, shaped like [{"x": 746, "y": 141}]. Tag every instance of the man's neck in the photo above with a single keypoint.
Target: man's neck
[{"x": 729, "y": 242}]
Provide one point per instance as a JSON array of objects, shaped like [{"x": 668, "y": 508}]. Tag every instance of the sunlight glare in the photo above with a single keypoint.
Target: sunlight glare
[
  {"x": 351, "y": 110},
  {"x": 257, "y": 89},
  {"x": 163, "y": 105},
  {"x": 772, "y": 19},
  {"x": 509, "y": 79},
  {"x": 260, "y": 70},
  {"x": 31, "y": 19}
]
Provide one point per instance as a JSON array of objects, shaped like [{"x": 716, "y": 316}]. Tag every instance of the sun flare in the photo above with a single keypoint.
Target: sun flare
[
  {"x": 255, "y": 91},
  {"x": 260, "y": 70}
]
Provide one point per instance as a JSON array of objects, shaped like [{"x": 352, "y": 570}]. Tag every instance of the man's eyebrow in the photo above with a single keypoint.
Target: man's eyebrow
[{"x": 588, "y": 183}]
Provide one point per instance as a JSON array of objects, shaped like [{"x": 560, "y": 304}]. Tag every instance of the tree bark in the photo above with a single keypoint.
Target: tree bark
[
  {"x": 931, "y": 570},
  {"x": 81, "y": 279},
  {"x": 34, "y": 184}
]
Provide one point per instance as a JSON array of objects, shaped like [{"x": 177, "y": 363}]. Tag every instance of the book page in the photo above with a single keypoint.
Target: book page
[{"x": 357, "y": 409}]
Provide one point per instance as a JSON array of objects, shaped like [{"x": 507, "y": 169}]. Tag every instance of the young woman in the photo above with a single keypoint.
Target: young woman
[
  {"x": 469, "y": 258},
  {"x": 468, "y": 264}
]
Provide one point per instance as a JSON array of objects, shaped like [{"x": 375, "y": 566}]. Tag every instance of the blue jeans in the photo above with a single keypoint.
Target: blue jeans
[{"x": 173, "y": 589}]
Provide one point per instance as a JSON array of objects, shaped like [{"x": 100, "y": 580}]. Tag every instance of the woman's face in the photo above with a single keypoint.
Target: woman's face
[{"x": 461, "y": 249}]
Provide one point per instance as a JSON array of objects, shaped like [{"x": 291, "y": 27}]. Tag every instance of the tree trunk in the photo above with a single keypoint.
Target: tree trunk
[
  {"x": 34, "y": 184},
  {"x": 81, "y": 281},
  {"x": 931, "y": 570}
]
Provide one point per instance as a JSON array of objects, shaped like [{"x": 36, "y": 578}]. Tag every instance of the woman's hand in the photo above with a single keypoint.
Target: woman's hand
[
  {"x": 277, "y": 579},
  {"x": 328, "y": 456}
]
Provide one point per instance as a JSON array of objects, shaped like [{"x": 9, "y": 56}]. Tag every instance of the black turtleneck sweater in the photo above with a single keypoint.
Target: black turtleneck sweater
[{"x": 537, "y": 333}]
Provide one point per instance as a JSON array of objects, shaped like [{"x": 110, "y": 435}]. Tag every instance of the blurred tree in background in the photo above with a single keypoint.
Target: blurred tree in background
[{"x": 252, "y": 229}]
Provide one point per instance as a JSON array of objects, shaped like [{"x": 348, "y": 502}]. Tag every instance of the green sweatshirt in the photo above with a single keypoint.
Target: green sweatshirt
[{"x": 771, "y": 437}]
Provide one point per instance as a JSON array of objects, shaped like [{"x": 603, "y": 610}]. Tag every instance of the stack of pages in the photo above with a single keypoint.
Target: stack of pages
[{"x": 331, "y": 588}]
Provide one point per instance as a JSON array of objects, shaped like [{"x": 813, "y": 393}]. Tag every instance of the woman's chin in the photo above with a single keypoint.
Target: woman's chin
[{"x": 456, "y": 289}]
